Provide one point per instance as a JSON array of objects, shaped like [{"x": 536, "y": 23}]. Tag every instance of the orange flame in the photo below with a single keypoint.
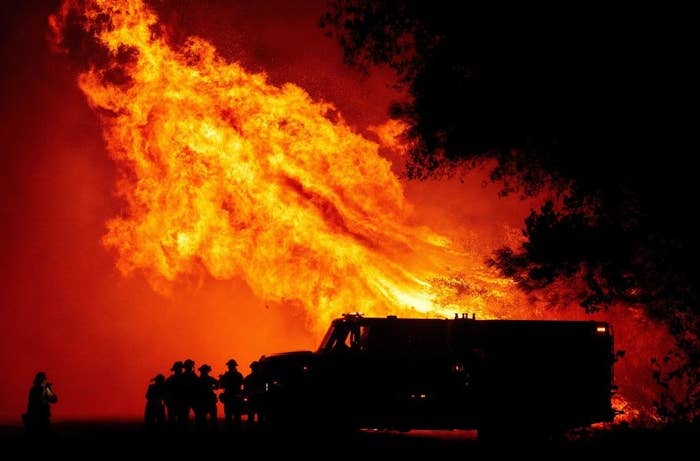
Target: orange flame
[{"x": 227, "y": 174}]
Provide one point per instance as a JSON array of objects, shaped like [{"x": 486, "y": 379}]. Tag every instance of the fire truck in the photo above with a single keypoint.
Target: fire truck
[{"x": 496, "y": 376}]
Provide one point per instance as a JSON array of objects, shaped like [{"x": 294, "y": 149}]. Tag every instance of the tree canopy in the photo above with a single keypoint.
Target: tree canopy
[{"x": 591, "y": 104}]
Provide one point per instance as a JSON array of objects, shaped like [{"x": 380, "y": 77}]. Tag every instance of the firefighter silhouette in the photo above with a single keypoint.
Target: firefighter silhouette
[
  {"x": 206, "y": 397},
  {"x": 231, "y": 397},
  {"x": 253, "y": 387},
  {"x": 190, "y": 383},
  {"x": 174, "y": 395},
  {"x": 37, "y": 419},
  {"x": 154, "y": 415}
]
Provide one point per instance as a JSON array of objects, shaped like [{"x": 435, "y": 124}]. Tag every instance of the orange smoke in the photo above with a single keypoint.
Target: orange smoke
[{"x": 225, "y": 173}]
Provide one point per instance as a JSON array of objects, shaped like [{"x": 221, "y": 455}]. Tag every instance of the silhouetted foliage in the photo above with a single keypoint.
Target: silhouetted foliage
[{"x": 588, "y": 105}]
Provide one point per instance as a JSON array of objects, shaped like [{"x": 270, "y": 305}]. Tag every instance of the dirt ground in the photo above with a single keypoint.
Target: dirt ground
[{"x": 105, "y": 440}]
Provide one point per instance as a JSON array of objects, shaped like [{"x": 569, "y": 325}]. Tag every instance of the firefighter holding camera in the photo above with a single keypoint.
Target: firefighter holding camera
[{"x": 37, "y": 419}]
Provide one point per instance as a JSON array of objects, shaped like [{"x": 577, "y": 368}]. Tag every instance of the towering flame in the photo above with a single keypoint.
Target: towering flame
[{"x": 225, "y": 173}]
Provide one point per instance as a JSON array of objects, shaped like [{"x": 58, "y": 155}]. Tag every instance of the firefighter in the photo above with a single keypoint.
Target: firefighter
[
  {"x": 253, "y": 387},
  {"x": 190, "y": 383},
  {"x": 154, "y": 415},
  {"x": 37, "y": 419},
  {"x": 231, "y": 382},
  {"x": 206, "y": 397},
  {"x": 174, "y": 398}
]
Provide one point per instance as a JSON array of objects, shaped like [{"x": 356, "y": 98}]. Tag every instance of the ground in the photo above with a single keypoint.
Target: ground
[{"x": 98, "y": 440}]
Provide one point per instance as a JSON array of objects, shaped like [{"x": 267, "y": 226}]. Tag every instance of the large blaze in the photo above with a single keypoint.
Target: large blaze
[{"x": 225, "y": 173}]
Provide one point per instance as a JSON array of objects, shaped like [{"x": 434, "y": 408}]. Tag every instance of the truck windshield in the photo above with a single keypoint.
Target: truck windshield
[
  {"x": 325, "y": 342},
  {"x": 343, "y": 336}
]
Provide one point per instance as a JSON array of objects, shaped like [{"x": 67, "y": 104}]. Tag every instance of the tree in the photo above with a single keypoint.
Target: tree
[{"x": 588, "y": 105}]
